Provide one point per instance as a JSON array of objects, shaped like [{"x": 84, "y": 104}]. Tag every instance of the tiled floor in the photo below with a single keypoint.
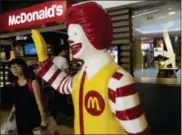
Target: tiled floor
[{"x": 63, "y": 129}]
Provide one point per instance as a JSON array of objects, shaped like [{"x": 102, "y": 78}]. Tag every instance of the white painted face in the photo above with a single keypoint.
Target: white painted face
[{"x": 80, "y": 46}]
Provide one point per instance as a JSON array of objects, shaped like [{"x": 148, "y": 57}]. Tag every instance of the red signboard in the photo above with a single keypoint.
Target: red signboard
[{"x": 47, "y": 12}]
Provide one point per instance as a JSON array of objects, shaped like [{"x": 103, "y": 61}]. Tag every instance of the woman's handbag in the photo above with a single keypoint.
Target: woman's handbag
[{"x": 9, "y": 127}]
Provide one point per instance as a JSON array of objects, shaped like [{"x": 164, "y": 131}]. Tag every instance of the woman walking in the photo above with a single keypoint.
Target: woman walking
[{"x": 28, "y": 107}]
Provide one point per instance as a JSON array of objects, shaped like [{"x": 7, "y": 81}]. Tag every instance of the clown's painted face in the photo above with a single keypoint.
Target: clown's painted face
[{"x": 80, "y": 46}]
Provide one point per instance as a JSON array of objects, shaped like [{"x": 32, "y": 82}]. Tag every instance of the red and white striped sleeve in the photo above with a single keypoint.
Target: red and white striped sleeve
[
  {"x": 57, "y": 78},
  {"x": 125, "y": 103}
]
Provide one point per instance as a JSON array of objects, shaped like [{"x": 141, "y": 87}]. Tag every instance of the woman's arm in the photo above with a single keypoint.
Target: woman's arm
[
  {"x": 38, "y": 98},
  {"x": 48, "y": 71}
]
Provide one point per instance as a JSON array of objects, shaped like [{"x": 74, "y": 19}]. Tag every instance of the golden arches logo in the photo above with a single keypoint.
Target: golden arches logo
[{"x": 93, "y": 103}]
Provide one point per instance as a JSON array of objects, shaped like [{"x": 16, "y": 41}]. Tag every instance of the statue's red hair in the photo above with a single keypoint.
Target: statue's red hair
[{"x": 95, "y": 22}]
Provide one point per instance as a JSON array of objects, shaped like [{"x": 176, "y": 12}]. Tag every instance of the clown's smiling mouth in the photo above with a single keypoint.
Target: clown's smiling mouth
[{"x": 76, "y": 48}]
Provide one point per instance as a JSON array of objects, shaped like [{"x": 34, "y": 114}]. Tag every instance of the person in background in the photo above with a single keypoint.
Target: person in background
[
  {"x": 61, "y": 60},
  {"x": 28, "y": 107},
  {"x": 61, "y": 110}
]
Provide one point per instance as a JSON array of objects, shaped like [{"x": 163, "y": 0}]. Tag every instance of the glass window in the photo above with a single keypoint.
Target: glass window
[{"x": 157, "y": 41}]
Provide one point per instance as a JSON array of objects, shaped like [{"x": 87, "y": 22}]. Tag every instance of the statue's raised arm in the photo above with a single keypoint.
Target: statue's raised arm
[{"x": 48, "y": 71}]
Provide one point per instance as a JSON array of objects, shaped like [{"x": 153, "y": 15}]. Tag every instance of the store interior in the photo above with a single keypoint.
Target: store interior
[{"x": 150, "y": 27}]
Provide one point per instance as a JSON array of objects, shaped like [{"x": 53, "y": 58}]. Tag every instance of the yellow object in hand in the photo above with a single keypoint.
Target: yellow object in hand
[{"x": 40, "y": 45}]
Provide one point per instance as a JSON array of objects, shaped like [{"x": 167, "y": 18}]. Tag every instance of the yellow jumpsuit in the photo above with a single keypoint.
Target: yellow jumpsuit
[{"x": 93, "y": 114}]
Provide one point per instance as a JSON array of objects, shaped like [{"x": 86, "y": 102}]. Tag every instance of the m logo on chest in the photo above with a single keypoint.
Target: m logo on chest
[{"x": 94, "y": 103}]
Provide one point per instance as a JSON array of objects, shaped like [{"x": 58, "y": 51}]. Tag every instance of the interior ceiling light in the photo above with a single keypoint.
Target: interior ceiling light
[
  {"x": 161, "y": 17},
  {"x": 157, "y": 31},
  {"x": 146, "y": 13},
  {"x": 172, "y": 13},
  {"x": 137, "y": 29}
]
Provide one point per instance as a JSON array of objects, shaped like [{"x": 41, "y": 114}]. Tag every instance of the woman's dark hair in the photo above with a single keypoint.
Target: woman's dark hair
[{"x": 28, "y": 73}]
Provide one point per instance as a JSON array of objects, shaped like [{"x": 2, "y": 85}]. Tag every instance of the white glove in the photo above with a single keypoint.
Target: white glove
[{"x": 61, "y": 62}]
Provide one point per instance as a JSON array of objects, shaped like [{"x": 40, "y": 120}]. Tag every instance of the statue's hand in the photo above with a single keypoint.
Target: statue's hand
[{"x": 40, "y": 45}]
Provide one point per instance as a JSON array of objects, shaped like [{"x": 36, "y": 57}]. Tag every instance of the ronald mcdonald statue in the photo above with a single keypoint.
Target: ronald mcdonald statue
[{"x": 104, "y": 96}]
